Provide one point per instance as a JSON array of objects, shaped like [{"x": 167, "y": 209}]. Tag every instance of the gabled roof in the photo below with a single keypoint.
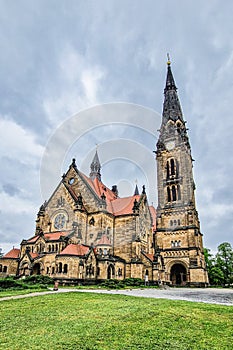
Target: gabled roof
[
  {"x": 153, "y": 215},
  {"x": 12, "y": 254},
  {"x": 122, "y": 206},
  {"x": 149, "y": 256},
  {"x": 103, "y": 241},
  {"x": 33, "y": 255},
  {"x": 115, "y": 205},
  {"x": 75, "y": 249},
  {"x": 52, "y": 236}
]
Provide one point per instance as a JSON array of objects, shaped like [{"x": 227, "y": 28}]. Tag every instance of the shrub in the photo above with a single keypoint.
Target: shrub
[
  {"x": 11, "y": 283},
  {"x": 38, "y": 279},
  {"x": 133, "y": 282}
]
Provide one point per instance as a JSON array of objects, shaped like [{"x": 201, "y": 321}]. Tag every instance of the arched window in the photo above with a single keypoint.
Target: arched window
[
  {"x": 171, "y": 223},
  {"x": 178, "y": 221},
  {"x": 177, "y": 168},
  {"x": 65, "y": 268},
  {"x": 178, "y": 127},
  {"x": 174, "y": 193},
  {"x": 168, "y": 194},
  {"x": 52, "y": 247},
  {"x": 60, "y": 267},
  {"x": 49, "y": 248},
  {"x": 0, "y": 268},
  {"x": 5, "y": 269},
  {"x": 172, "y": 167},
  {"x": 56, "y": 247},
  {"x": 53, "y": 270},
  {"x": 168, "y": 170}
]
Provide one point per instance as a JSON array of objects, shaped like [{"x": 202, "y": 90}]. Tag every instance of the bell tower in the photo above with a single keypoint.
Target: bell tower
[{"x": 178, "y": 240}]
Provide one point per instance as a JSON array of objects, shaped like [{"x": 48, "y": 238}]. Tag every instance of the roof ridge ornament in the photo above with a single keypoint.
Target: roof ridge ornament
[{"x": 168, "y": 59}]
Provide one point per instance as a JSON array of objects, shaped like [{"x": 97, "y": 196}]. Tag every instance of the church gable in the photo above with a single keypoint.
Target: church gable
[{"x": 82, "y": 189}]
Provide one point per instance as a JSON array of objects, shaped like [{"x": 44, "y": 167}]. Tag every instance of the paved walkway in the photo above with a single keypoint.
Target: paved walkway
[{"x": 207, "y": 295}]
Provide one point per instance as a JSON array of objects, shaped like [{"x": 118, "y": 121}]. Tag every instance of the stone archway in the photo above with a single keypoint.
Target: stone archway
[
  {"x": 25, "y": 270},
  {"x": 110, "y": 272},
  {"x": 178, "y": 274},
  {"x": 36, "y": 269}
]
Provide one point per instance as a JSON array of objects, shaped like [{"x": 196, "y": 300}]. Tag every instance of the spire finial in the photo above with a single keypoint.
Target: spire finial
[
  {"x": 95, "y": 167},
  {"x": 168, "y": 59}
]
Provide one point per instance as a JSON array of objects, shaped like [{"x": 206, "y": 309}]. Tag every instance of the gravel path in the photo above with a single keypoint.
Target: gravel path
[{"x": 207, "y": 295}]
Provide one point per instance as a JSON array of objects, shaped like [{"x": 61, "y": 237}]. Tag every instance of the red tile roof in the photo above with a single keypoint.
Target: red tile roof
[
  {"x": 153, "y": 215},
  {"x": 121, "y": 206},
  {"x": 116, "y": 206},
  {"x": 12, "y": 254},
  {"x": 34, "y": 255},
  {"x": 149, "y": 256},
  {"x": 52, "y": 236},
  {"x": 104, "y": 241},
  {"x": 75, "y": 249}
]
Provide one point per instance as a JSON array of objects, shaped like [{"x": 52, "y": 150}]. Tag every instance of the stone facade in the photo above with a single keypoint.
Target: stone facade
[
  {"x": 86, "y": 232},
  {"x": 178, "y": 240}
]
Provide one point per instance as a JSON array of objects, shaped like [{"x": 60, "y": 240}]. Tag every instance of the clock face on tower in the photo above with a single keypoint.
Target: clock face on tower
[
  {"x": 59, "y": 221},
  {"x": 170, "y": 145}
]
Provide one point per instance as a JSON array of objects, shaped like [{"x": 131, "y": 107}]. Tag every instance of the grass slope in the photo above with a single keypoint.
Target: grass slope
[{"x": 89, "y": 321}]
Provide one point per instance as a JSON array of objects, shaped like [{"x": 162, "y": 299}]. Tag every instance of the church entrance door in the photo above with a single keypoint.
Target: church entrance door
[
  {"x": 36, "y": 269},
  {"x": 111, "y": 272},
  {"x": 178, "y": 274}
]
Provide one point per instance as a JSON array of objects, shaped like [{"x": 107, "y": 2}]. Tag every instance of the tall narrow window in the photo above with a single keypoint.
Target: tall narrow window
[
  {"x": 168, "y": 170},
  {"x": 177, "y": 168},
  {"x": 60, "y": 267},
  {"x": 173, "y": 167},
  {"x": 65, "y": 268},
  {"x": 168, "y": 194},
  {"x": 174, "y": 193}
]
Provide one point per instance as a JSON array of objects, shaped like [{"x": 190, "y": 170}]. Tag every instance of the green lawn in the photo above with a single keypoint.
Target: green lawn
[
  {"x": 9, "y": 292},
  {"x": 89, "y": 321}
]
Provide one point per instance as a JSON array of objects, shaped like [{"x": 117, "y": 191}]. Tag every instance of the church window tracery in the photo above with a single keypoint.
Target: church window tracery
[
  {"x": 168, "y": 194},
  {"x": 173, "y": 193},
  {"x": 172, "y": 168}
]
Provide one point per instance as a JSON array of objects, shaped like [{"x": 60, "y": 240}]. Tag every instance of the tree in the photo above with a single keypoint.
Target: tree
[
  {"x": 224, "y": 262},
  {"x": 215, "y": 274}
]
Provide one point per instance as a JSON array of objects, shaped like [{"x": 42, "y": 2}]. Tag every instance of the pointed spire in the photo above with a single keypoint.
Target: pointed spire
[
  {"x": 136, "y": 191},
  {"x": 95, "y": 167},
  {"x": 171, "y": 107},
  {"x": 170, "y": 82}
]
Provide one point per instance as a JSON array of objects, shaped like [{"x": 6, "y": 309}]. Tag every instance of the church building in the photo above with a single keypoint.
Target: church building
[{"x": 86, "y": 232}]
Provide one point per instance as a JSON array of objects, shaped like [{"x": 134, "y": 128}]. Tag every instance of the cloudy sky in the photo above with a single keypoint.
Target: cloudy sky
[{"x": 79, "y": 73}]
